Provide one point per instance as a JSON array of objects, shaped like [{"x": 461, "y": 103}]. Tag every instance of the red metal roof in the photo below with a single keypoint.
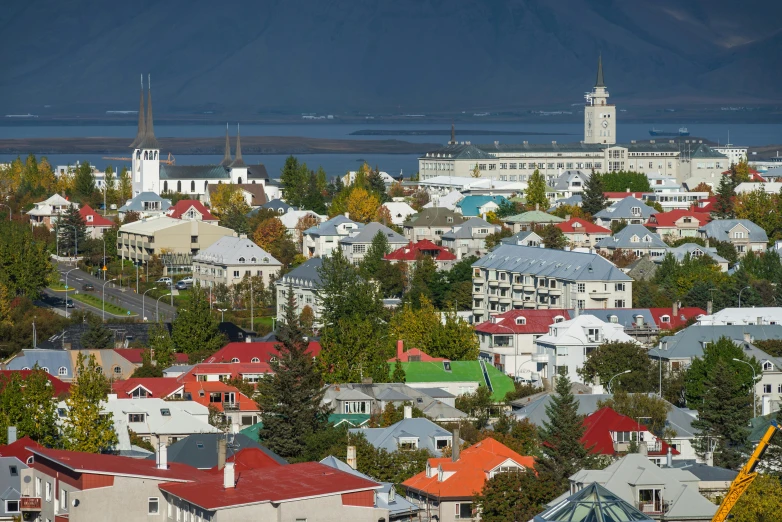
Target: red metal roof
[
  {"x": 616, "y": 196},
  {"x": 246, "y": 352},
  {"x": 270, "y": 484},
  {"x": 404, "y": 355},
  {"x": 601, "y": 423},
  {"x": 704, "y": 205},
  {"x": 411, "y": 251},
  {"x": 60, "y": 388},
  {"x": 133, "y": 355},
  {"x": 96, "y": 463},
  {"x": 234, "y": 369},
  {"x": 247, "y": 459},
  {"x": 159, "y": 387},
  {"x": 535, "y": 322},
  {"x": 682, "y": 316},
  {"x": 97, "y": 219},
  {"x": 183, "y": 205},
  {"x": 669, "y": 219},
  {"x": 581, "y": 225},
  {"x": 21, "y": 449},
  {"x": 201, "y": 390}
]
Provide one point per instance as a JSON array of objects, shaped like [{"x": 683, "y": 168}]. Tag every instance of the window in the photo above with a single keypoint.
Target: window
[
  {"x": 619, "y": 303},
  {"x": 464, "y": 510},
  {"x": 63, "y": 499},
  {"x": 624, "y": 436},
  {"x": 139, "y": 392},
  {"x": 12, "y": 506},
  {"x": 235, "y": 360},
  {"x": 37, "y": 486},
  {"x": 153, "y": 506},
  {"x": 779, "y": 388},
  {"x": 236, "y": 273},
  {"x": 165, "y": 412},
  {"x": 359, "y": 249},
  {"x": 136, "y": 417},
  {"x": 619, "y": 287},
  {"x": 355, "y": 407},
  {"x": 581, "y": 288},
  {"x": 117, "y": 370},
  {"x": 767, "y": 366},
  {"x": 255, "y": 360},
  {"x": 665, "y": 319},
  {"x": 766, "y": 388},
  {"x": 48, "y": 492},
  {"x": 62, "y": 371},
  {"x": 738, "y": 235}
]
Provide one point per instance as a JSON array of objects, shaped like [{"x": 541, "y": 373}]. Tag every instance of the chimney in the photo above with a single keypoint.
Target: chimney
[
  {"x": 759, "y": 320},
  {"x": 628, "y": 189},
  {"x": 707, "y": 243},
  {"x": 669, "y": 458},
  {"x": 408, "y": 411},
  {"x": 455, "y": 445},
  {"x": 709, "y": 307},
  {"x": 537, "y": 206},
  {"x": 643, "y": 449},
  {"x": 347, "y": 215},
  {"x": 400, "y": 348},
  {"x": 709, "y": 458},
  {"x": 747, "y": 337},
  {"x": 674, "y": 310},
  {"x": 221, "y": 445},
  {"x": 11, "y": 434},
  {"x": 162, "y": 455},
  {"x": 229, "y": 481},
  {"x": 567, "y": 217},
  {"x": 352, "y": 457},
  {"x": 639, "y": 321},
  {"x": 248, "y": 339}
]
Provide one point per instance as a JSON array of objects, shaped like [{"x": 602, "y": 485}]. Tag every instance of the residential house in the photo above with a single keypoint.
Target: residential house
[
  {"x": 230, "y": 259},
  {"x": 322, "y": 239},
  {"x": 469, "y": 238},
  {"x": 94, "y": 223},
  {"x": 513, "y": 276},
  {"x": 146, "y": 205},
  {"x": 255, "y": 194},
  {"x": 754, "y": 315},
  {"x": 356, "y": 245},
  {"x": 662, "y": 184},
  {"x": 768, "y": 389},
  {"x": 448, "y": 486},
  {"x": 49, "y": 211},
  {"x": 628, "y": 209},
  {"x": 246, "y": 458},
  {"x": 571, "y": 182},
  {"x": 277, "y": 205},
  {"x": 636, "y": 239},
  {"x": 568, "y": 343},
  {"x": 694, "y": 250},
  {"x": 191, "y": 210},
  {"x": 660, "y": 493},
  {"x": 524, "y": 238},
  {"x": 411, "y": 252},
  {"x": 15, "y": 457},
  {"x": 528, "y": 221},
  {"x": 714, "y": 482},
  {"x": 291, "y": 218},
  {"x": 581, "y": 233},
  {"x": 409, "y": 434},
  {"x": 399, "y": 211},
  {"x": 431, "y": 224},
  {"x": 304, "y": 281},
  {"x": 675, "y": 200},
  {"x": 203, "y": 450},
  {"x": 149, "y": 387},
  {"x": 479, "y": 206},
  {"x": 645, "y": 324},
  {"x": 63, "y": 363},
  {"x": 447, "y": 199},
  {"x": 592, "y": 502},
  {"x": 743, "y": 233},
  {"x": 456, "y": 377},
  {"x": 616, "y": 197},
  {"x": 253, "y": 353},
  {"x": 60, "y": 388},
  {"x": 678, "y": 223},
  {"x": 236, "y": 409},
  {"x": 610, "y": 433},
  {"x": 223, "y": 372},
  {"x": 767, "y": 187}
]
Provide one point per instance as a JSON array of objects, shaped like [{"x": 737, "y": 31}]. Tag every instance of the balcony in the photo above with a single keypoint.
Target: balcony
[
  {"x": 477, "y": 279},
  {"x": 29, "y": 504},
  {"x": 528, "y": 288},
  {"x": 505, "y": 299},
  {"x": 518, "y": 302},
  {"x": 554, "y": 291},
  {"x": 543, "y": 290},
  {"x": 494, "y": 298},
  {"x": 504, "y": 284},
  {"x": 599, "y": 296},
  {"x": 494, "y": 283}
]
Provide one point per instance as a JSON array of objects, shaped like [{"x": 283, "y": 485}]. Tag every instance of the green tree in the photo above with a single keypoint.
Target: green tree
[
  {"x": 536, "y": 192},
  {"x": 507, "y": 208},
  {"x": 723, "y": 207},
  {"x": 552, "y": 237},
  {"x": 422, "y": 328},
  {"x": 85, "y": 428},
  {"x": 290, "y": 399},
  {"x": 424, "y": 272},
  {"x": 593, "y": 199},
  {"x": 391, "y": 277},
  {"x": 703, "y": 368},
  {"x": 314, "y": 199},
  {"x": 29, "y": 404},
  {"x": 494, "y": 239},
  {"x": 516, "y": 495},
  {"x": 623, "y": 180},
  {"x": 762, "y": 502},
  {"x": 377, "y": 185},
  {"x": 109, "y": 187},
  {"x": 97, "y": 336},
  {"x": 370, "y": 265},
  {"x": 641, "y": 405},
  {"x": 163, "y": 351},
  {"x": 618, "y": 226},
  {"x": 125, "y": 187},
  {"x": 72, "y": 231},
  {"x": 25, "y": 266},
  {"x": 195, "y": 330},
  {"x": 84, "y": 182},
  {"x": 477, "y": 405},
  {"x": 294, "y": 180},
  {"x": 610, "y": 359},
  {"x": 147, "y": 369},
  {"x": 399, "y": 373}
]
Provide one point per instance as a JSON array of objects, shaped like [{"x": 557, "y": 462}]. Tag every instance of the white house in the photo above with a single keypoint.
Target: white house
[
  {"x": 229, "y": 259},
  {"x": 399, "y": 211},
  {"x": 322, "y": 240},
  {"x": 728, "y": 316}
]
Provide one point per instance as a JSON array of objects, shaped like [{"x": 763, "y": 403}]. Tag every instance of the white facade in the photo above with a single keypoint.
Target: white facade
[
  {"x": 399, "y": 211},
  {"x": 768, "y": 188},
  {"x": 675, "y": 199},
  {"x": 743, "y": 316},
  {"x": 230, "y": 259},
  {"x": 599, "y": 116},
  {"x": 736, "y": 154}
]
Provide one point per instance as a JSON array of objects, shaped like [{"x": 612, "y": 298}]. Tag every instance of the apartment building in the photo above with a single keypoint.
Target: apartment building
[
  {"x": 524, "y": 277},
  {"x": 323, "y": 239},
  {"x": 356, "y": 245},
  {"x": 230, "y": 259},
  {"x": 743, "y": 233},
  {"x": 304, "y": 281}
]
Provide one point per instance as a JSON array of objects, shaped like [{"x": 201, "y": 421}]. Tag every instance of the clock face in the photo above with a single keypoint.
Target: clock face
[{"x": 605, "y": 124}]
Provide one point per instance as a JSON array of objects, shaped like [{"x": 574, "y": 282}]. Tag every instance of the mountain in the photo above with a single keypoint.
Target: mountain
[{"x": 232, "y": 57}]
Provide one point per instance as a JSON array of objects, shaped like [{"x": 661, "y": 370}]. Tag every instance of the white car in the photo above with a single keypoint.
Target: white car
[
  {"x": 187, "y": 280},
  {"x": 164, "y": 280}
]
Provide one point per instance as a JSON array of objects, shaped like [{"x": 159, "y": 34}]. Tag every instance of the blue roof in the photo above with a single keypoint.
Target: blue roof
[
  {"x": 306, "y": 272},
  {"x": 136, "y": 204},
  {"x": 623, "y": 209},
  {"x": 329, "y": 228},
  {"x": 51, "y": 359},
  {"x": 470, "y": 205}
]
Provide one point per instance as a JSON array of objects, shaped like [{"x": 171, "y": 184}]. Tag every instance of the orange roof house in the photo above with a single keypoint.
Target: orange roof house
[{"x": 412, "y": 354}]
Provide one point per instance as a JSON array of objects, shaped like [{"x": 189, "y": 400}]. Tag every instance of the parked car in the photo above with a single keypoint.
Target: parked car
[
  {"x": 164, "y": 280},
  {"x": 187, "y": 280},
  {"x": 181, "y": 285},
  {"x": 88, "y": 287},
  {"x": 69, "y": 303}
]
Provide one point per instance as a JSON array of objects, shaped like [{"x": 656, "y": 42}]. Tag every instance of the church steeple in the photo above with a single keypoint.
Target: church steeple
[
  {"x": 227, "y": 157},
  {"x": 453, "y": 134},
  {"x": 141, "y": 125},
  {"x": 599, "y": 82},
  {"x": 238, "y": 163},
  {"x": 149, "y": 141}
]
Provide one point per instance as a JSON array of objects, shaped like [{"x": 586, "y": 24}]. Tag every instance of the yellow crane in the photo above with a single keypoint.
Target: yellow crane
[
  {"x": 170, "y": 161},
  {"x": 746, "y": 475}
]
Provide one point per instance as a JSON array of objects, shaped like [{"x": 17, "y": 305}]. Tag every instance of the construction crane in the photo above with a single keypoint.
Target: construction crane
[
  {"x": 170, "y": 161},
  {"x": 746, "y": 475}
]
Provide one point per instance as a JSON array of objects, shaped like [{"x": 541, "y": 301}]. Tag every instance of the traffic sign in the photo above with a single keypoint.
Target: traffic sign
[{"x": 104, "y": 268}]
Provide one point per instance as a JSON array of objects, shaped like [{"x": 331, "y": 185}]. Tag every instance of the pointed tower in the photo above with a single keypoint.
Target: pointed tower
[
  {"x": 453, "y": 134},
  {"x": 599, "y": 116},
  {"x": 149, "y": 142},
  {"x": 227, "y": 160},
  {"x": 238, "y": 166},
  {"x": 146, "y": 157},
  {"x": 141, "y": 124}
]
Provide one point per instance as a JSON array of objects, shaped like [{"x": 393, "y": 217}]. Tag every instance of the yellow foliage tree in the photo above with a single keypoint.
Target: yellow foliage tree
[
  {"x": 415, "y": 326},
  {"x": 362, "y": 205},
  {"x": 226, "y": 197},
  {"x": 268, "y": 232},
  {"x": 762, "y": 501}
]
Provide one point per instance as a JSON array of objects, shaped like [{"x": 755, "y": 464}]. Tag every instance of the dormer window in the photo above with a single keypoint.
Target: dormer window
[
  {"x": 665, "y": 318},
  {"x": 521, "y": 320},
  {"x": 634, "y": 239},
  {"x": 235, "y": 360},
  {"x": 636, "y": 211},
  {"x": 255, "y": 360},
  {"x": 241, "y": 260},
  {"x": 767, "y": 366},
  {"x": 253, "y": 260}
]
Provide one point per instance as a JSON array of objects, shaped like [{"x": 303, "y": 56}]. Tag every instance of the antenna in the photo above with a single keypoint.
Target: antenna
[{"x": 588, "y": 97}]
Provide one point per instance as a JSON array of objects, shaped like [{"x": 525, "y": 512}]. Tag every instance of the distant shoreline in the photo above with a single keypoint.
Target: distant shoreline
[{"x": 445, "y": 132}]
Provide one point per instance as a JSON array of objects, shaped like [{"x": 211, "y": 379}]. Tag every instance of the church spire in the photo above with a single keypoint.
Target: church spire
[
  {"x": 149, "y": 141},
  {"x": 227, "y": 157},
  {"x": 453, "y": 134},
  {"x": 238, "y": 162},
  {"x": 600, "y": 82},
  {"x": 141, "y": 126}
]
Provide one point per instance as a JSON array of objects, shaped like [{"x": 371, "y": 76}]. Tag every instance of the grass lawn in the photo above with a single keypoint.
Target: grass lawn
[
  {"x": 59, "y": 287},
  {"x": 98, "y": 303}
]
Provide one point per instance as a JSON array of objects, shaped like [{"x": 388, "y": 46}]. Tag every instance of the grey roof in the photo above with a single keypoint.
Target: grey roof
[
  {"x": 277, "y": 204},
  {"x": 51, "y": 359},
  {"x": 71, "y": 335},
  {"x": 689, "y": 343},
  {"x": 575, "y": 200},
  {"x": 193, "y": 172},
  {"x": 706, "y": 473},
  {"x": 464, "y": 230},
  {"x": 593, "y": 503},
  {"x": 149, "y": 141},
  {"x": 439, "y": 410},
  {"x": 258, "y": 172},
  {"x": 238, "y": 162},
  {"x": 10, "y": 485},
  {"x": 459, "y": 151},
  {"x": 600, "y": 82},
  {"x": 704, "y": 151},
  {"x": 719, "y": 229},
  {"x": 200, "y": 450},
  {"x": 568, "y": 265},
  {"x": 439, "y": 393},
  {"x": 435, "y": 217},
  {"x": 306, "y": 274},
  {"x": 627, "y": 317},
  {"x": 399, "y": 392},
  {"x": 390, "y": 394},
  {"x": 691, "y": 248},
  {"x": 564, "y": 179},
  {"x": 230, "y": 250},
  {"x": 578, "y": 147},
  {"x": 388, "y": 438},
  {"x": 368, "y": 232},
  {"x": 624, "y": 239},
  {"x": 329, "y": 228},
  {"x": 136, "y": 204},
  {"x": 518, "y": 238},
  {"x": 622, "y": 209}
]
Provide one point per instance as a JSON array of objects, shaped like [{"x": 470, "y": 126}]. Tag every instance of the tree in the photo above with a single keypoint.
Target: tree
[
  {"x": 703, "y": 187},
  {"x": 702, "y": 368},
  {"x": 163, "y": 352},
  {"x": 227, "y": 198},
  {"x": 97, "y": 336},
  {"x": 392, "y": 278},
  {"x": 507, "y": 208},
  {"x": 125, "y": 188},
  {"x": 294, "y": 180},
  {"x": 290, "y": 399},
  {"x": 373, "y": 259},
  {"x": 759, "y": 207},
  {"x": 29, "y": 404},
  {"x": 305, "y": 222},
  {"x": 423, "y": 275},
  {"x": 761, "y": 502},
  {"x": 377, "y": 185},
  {"x": 236, "y": 221},
  {"x": 195, "y": 330},
  {"x": 618, "y": 226},
  {"x": 361, "y": 205},
  {"x": 494, "y": 239},
  {"x": 476, "y": 172},
  {"x": 85, "y": 428},
  {"x": 477, "y": 405},
  {"x": 610, "y": 359},
  {"x": 307, "y": 320},
  {"x": 72, "y": 231},
  {"x": 593, "y": 199},
  {"x": 84, "y": 182},
  {"x": 313, "y": 199},
  {"x": 399, "y": 373},
  {"x": 574, "y": 211},
  {"x": 623, "y": 180},
  {"x": 25, "y": 265},
  {"x": 642, "y": 405},
  {"x": 552, "y": 237},
  {"x": 147, "y": 369},
  {"x": 109, "y": 187},
  {"x": 536, "y": 192},
  {"x": 515, "y": 495},
  {"x": 723, "y": 207}
]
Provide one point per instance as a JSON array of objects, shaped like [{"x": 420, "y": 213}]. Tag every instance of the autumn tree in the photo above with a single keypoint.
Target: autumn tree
[
  {"x": 761, "y": 502},
  {"x": 536, "y": 192},
  {"x": 125, "y": 186},
  {"x": 227, "y": 198},
  {"x": 762, "y": 209},
  {"x": 651, "y": 409},
  {"x": 476, "y": 171},
  {"x": 361, "y": 205},
  {"x": 703, "y": 187},
  {"x": 305, "y": 222},
  {"x": 85, "y": 428},
  {"x": 272, "y": 236}
]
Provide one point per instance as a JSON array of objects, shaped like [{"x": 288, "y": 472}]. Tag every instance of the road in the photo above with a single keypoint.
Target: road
[{"x": 122, "y": 296}]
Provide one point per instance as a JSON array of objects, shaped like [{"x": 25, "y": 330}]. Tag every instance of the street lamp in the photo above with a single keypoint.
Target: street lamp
[
  {"x": 740, "y": 296},
  {"x": 157, "y": 306},
  {"x": 516, "y": 376},
  {"x": 104, "y": 296},
  {"x": 614, "y": 377},
  {"x": 66, "y": 290},
  {"x": 222, "y": 314},
  {"x": 143, "y": 316},
  {"x": 754, "y": 387}
]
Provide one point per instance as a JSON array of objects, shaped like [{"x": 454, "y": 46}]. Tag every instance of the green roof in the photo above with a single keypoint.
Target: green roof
[
  {"x": 461, "y": 371},
  {"x": 252, "y": 431},
  {"x": 759, "y": 426},
  {"x": 355, "y": 420},
  {"x": 533, "y": 216}
]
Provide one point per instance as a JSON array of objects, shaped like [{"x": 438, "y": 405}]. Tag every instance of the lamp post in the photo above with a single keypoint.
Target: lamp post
[
  {"x": 157, "y": 306},
  {"x": 252, "y": 314},
  {"x": 222, "y": 314},
  {"x": 614, "y": 377},
  {"x": 66, "y": 290},
  {"x": 754, "y": 388},
  {"x": 740, "y": 296},
  {"x": 104, "y": 296},
  {"x": 143, "y": 316}
]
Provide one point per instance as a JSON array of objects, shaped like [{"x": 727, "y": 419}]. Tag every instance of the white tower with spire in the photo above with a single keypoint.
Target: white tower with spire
[
  {"x": 599, "y": 116},
  {"x": 146, "y": 150},
  {"x": 238, "y": 166}
]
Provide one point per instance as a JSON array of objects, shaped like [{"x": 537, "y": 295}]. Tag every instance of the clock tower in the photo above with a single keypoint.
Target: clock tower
[{"x": 599, "y": 116}]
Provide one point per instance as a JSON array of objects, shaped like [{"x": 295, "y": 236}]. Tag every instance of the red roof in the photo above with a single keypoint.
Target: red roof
[
  {"x": 133, "y": 355},
  {"x": 704, "y": 205},
  {"x": 200, "y": 392},
  {"x": 581, "y": 225},
  {"x": 283, "y": 483},
  {"x": 234, "y": 369},
  {"x": 599, "y": 426},
  {"x": 683, "y": 315},
  {"x": 535, "y": 322},
  {"x": 21, "y": 449},
  {"x": 405, "y": 355},
  {"x": 469, "y": 472},
  {"x": 246, "y": 352},
  {"x": 100, "y": 464},
  {"x": 97, "y": 220},
  {"x": 247, "y": 459},
  {"x": 621, "y": 195},
  {"x": 183, "y": 205},
  {"x": 60, "y": 388},
  {"x": 158, "y": 387},
  {"x": 669, "y": 219},
  {"x": 411, "y": 251}
]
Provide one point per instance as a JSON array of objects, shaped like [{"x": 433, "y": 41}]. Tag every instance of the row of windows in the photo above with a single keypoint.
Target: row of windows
[{"x": 767, "y": 388}]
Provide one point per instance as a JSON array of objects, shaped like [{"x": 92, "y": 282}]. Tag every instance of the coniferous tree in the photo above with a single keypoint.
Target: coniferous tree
[
  {"x": 195, "y": 330},
  {"x": 85, "y": 427},
  {"x": 424, "y": 272},
  {"x": 552, "y": 237},
  {"x": 72, "y": 231},
  {"x": 163, "y": 352},
  {"x": 294, "y": 180},
  {"x": 536, "y": 192},
  {"x": 84, "y": 182},
  {"x": 593, "y": 199},
  {"x": 399, "y": 373},
  {"x": 370, "y": 265},
  {"x": 97, "y": 336},
  {"x": 313, "y": 199},
  {"x": 290, "y": 399},
  {"x": 516, "y": 495},
  {"x": 377, "y": 185},
  {"x": 723, "y": 207}
]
